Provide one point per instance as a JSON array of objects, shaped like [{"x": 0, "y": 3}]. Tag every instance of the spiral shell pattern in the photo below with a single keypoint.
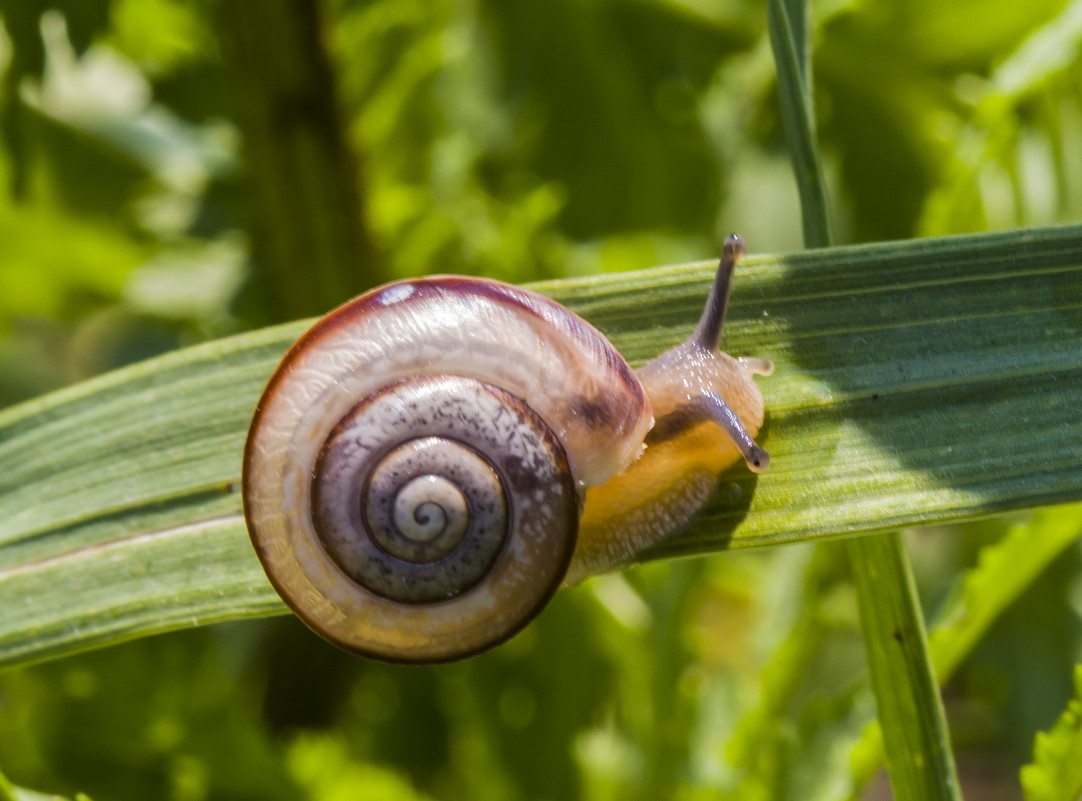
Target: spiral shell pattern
[
  {"x": 412, "y": 513},
  {"x": 412, "y": 474}
]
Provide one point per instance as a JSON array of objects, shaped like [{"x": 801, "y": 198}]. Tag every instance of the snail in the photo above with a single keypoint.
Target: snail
[{"x": 417, "y": 467}]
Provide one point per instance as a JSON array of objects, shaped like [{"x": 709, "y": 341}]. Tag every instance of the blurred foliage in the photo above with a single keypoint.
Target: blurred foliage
[
  {"x": 518, "y": 140},
  {"x": 1056, "y": 771}
]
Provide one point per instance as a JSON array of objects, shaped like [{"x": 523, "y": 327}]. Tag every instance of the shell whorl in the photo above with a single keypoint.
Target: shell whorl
[{"x": 411, "y": 474}]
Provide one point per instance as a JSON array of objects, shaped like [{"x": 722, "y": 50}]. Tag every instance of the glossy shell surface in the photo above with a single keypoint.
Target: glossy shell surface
[{"x": 451, "y": 359}]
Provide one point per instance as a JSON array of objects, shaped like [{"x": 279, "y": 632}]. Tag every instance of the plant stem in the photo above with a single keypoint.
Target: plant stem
[
  {"x": 915, "y": 734},
  {"x": 914, "y": 726}
]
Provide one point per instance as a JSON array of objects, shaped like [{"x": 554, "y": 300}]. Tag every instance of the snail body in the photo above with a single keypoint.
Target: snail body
[
  {"x": 416, "y": 467},
  {"x": 685, "y": 451}
]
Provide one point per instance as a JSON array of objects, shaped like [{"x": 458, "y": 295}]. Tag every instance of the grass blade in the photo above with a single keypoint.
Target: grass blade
[
  {"x": 917, "y": 382},
  {"x": 789, "y": 33}
]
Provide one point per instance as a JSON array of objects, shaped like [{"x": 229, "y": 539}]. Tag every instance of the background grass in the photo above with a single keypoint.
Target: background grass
[{"x": 171, "y": 169}]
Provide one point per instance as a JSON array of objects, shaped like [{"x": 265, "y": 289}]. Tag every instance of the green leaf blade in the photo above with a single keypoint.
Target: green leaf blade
[
  {"x": 126, "y": 474},
  {"x": 930, "y": 385}
]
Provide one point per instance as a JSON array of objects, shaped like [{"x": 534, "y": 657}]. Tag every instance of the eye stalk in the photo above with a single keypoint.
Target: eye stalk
[{"x": 708, "y": 332}]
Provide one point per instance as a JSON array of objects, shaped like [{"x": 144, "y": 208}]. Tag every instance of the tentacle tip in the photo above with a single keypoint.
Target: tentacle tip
[
  {"x": 758, "y": 460},
  {"x": 735, "y": 246}
]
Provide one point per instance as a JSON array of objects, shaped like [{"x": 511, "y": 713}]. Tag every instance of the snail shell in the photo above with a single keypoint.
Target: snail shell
[{"x": 414, "y": 470}]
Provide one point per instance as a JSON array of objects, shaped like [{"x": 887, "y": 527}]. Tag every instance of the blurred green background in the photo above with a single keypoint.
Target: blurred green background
[{"x": 172, "y": 172}]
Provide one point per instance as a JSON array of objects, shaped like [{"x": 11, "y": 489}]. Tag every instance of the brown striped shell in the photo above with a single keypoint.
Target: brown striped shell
[{"x": 413, "y": 471}]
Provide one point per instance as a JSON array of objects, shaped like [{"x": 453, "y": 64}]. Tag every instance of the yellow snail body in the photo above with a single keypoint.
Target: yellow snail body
[{"x": 417, "y": 466}]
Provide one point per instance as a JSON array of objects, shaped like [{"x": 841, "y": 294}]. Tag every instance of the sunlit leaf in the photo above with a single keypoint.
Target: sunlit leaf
[
  {"x": 10, "y": 793},
  {"x": 901, "y": 397},
  {"x": 1056, "y": 771},
  {"x": 1003, "y": 572},
  {"x": 323, "y": 768}
]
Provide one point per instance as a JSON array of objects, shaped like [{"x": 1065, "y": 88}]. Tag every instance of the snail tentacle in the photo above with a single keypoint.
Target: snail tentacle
[
  {"x": 708, "y": 331},
  {"x": 713, "y": 407}
]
